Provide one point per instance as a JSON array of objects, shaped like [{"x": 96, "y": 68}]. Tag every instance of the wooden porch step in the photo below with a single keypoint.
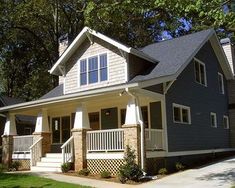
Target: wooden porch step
[{"x": 48, "y": 164}]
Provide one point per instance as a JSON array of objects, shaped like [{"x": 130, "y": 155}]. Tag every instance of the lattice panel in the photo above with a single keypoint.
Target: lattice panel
[
  {"x": 25, "y": 164},
  {"x": 96, "y": 166}
]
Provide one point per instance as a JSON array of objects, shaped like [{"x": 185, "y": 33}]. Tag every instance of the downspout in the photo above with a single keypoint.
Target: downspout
[{"x": 141, "y": 129}]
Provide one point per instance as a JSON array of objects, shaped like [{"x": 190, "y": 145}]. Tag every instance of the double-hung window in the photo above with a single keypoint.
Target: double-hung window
[
  {"x": 221, "y": 83},
  {"x": 181, "y": 114},
  {"x": 93, "y": 69},
  {"x": 200, "y": 72}
]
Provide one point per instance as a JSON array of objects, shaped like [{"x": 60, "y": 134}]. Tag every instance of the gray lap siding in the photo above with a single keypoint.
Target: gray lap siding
[{"x": 202, "y": 100}]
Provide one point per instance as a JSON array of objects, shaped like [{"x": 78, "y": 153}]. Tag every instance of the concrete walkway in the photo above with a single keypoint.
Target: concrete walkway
[{"x": 218, "y": 175}]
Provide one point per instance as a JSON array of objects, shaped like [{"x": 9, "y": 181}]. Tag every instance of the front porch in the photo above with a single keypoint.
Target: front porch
[{"x": 91, "y": 132}]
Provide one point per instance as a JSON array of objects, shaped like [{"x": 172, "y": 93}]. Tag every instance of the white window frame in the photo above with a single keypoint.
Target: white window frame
[
  {"x": 204, "y": 68},
  {"x": 227, "y": 120},
  {"x": 181, "y": 107},
  {"x": 87, "y": 64},
  {"x": 222, "y": 79},
  {"x": 215, "y": 116}
]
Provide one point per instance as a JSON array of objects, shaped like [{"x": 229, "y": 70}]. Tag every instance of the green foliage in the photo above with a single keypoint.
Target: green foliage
[
  {"x": 130, "y": 170},
  {"x": 15, "y": 165},
  {"x": 29, "y": 32},
  {"x": 84, "y": 172},
  {"x": 105, "y": 174},
  {"x": 162, "y": 171},
  {"x": 179, "y": 166},
  {"x": 65, "y": 167}
]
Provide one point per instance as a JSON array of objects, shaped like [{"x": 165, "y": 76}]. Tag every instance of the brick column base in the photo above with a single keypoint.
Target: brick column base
[
  {"x": 7, "y": 149},
  {"x": 80, "y": 148},
  {"x": 46, "y": 141},
  {"x": 132, "y": 139}
]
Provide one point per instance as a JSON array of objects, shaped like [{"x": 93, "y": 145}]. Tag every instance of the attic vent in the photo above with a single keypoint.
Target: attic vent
[{"x": 63, "y": 43}]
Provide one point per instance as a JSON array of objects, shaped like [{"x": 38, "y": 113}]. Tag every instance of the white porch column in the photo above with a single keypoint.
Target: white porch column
[
  {"x": 133, "y": 113},
  {"x": 42, "y": 130},
  {"x": 134, "y": 129},
  {"x": 42, "y": 124},
  {"x": 81, "y": 118},
  {"x": 7, "y": 139},
  {"x": 10, "y": 125},
  {"x": 80, "y": 128}
]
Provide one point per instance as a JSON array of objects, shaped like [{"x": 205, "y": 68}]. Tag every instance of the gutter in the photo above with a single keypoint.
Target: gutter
[{"x": 2, "y": 115}]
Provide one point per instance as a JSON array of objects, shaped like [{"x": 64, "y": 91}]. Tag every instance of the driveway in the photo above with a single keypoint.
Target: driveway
[{"x": 221, "y": 174}]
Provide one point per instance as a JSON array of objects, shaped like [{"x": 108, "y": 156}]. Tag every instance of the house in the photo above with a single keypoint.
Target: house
[{"x": 168, "y": 101}]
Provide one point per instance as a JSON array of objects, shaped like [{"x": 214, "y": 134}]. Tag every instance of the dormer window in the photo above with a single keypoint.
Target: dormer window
[{"x": 93, "y": 69}]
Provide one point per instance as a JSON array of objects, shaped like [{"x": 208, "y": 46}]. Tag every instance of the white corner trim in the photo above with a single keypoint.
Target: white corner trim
[
  {"x": 119, "y": 155},
  {"x": 197, "y": 152}
]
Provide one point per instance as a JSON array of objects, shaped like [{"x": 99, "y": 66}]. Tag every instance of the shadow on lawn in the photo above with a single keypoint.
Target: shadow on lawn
[{"x": 19, "y": 177}]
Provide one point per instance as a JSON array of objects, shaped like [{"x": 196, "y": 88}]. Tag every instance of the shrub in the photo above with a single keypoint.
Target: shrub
[
  {"x": 179, "y": 166},
  {"x": 105, "y": 174},
  {"x": 162, "y": 171},
  {"x": 130, "y": 170},
  {"x": 15, "y": 165},
  {"x": 84, "y": 172},
  {"x": 65, "y": 167}
]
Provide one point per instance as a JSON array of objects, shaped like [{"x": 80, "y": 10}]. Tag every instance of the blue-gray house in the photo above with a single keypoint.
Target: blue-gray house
[{"x": 168, "y": 100}]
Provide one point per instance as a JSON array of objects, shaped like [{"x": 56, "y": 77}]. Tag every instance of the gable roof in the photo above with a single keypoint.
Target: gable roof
[
  {"x": 175, "y": 54},
  {"x": 56, "y": 92},
  {"x": 86, "y": 32},
  {"x": 6, "y": 101}
]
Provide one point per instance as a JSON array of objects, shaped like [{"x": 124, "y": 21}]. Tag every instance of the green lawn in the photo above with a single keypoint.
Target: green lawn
[{"x": 31, "y": 181}]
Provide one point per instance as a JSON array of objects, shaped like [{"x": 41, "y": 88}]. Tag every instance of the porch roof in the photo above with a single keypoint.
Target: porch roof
[{"x": 54, "y": 99}]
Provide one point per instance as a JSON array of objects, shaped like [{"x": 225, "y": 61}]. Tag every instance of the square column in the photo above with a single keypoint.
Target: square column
[
  {"x": 134, "y": 130},
  {"x": 42, "y": 130},
  {"x": 7, "y": 139},
  {"x": 80, "y": 128}
]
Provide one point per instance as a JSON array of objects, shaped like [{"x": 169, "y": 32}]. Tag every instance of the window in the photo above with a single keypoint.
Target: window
[
  {"x": 200, "y": 72},
  {"x": 226, "y": 122},
  {"x": 213, "y": 120},
  {"x": 93, "y": 69},
  {"x": 181, "y": 114},
  {"x": 221, "y": 83}
]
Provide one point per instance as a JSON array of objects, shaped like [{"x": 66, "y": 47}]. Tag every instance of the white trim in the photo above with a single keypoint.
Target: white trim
[
  {"x": 196, "y": 152},
  {"x": 220, "y": 76},
  {"x": 164, "y": 123},
  {"x": 227, "y": 120},
  {"x": 181, "y": 107},
  {"x": 81, "y": 37},
  {"x": 155, "y": 154},
  {"x": 200, "y": 76},
  {"x": 21, "y": 156},
  {"x": 213, "y": 114},
  {"x": 105, "y": 155}
]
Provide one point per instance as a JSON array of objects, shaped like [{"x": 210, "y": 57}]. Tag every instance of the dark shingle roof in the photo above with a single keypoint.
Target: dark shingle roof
[
  {"x": 6, "y": 101},
  {"x": 173, "y": 54},
  {"x": 56, "y": 92}
]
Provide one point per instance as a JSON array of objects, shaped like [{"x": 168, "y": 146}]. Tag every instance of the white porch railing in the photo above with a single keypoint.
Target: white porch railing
[
  {"x": 21, "y": 144},
  {"x": 68, "y": 150},
  {"x": 105, "y": 140},
  {"x": 154, "y": 139},
  {"x": 36, "y": 152}
]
